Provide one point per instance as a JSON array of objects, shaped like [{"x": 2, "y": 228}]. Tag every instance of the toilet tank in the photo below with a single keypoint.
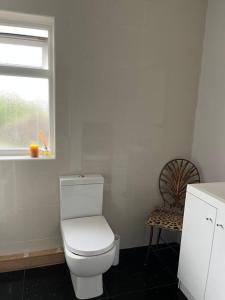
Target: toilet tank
[{"x": 81, "y": 196}]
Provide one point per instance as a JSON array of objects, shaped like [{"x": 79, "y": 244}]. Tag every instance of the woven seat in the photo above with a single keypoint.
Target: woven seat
[{"x": 173, "y": 181}]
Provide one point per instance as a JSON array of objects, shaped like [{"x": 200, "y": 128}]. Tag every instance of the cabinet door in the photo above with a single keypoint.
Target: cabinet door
[
  {"x": 196, "y": 243},
  {"x": 216, "y": 279}
]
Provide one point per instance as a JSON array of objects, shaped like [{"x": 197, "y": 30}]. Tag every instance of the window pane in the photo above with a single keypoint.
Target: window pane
[
  {"x": 21, "y": 55},
  {"x": 24, "y": 110}
]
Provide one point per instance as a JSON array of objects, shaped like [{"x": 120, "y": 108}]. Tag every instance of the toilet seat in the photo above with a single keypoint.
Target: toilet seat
[{"x": 87, "y": 236}]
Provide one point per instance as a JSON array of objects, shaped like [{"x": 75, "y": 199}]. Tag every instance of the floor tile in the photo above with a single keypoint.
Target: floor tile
[
  {"x": 161, "y": 246},
  {"x": 131, "y": 275},
  {"x": 166, "y": 293},
  {"x": 11, "y": 285},
  {"x": 169, "y": 257},
  {"x": 170, "y": 293},
  {"x": 159, "y": 277},
  {"x": 157, "y": 272},
  {"x": 175, "y": 246},
  {"x": 129, "y": 280},
  {"x": 140, "y": 295},
  {"x": 48, "y": 283},
  {"x": 120, "y": 280}
]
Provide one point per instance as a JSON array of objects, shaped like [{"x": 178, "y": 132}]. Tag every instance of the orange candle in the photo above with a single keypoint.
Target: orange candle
[{"x": 34, "y": 150}]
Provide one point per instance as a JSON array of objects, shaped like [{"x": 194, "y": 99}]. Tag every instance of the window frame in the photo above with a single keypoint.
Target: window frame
[{"x": 44, "y": 23}]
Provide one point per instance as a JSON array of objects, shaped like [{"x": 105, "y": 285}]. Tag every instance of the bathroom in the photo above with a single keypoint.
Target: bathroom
[{"x": 137, "y": 84}]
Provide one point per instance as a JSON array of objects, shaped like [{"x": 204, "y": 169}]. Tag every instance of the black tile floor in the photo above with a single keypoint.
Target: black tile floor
[{"x": 129, "y": 280}]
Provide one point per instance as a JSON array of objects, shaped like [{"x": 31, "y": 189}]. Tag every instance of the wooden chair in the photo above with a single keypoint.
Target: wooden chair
[{"x": 173, "y": 181}]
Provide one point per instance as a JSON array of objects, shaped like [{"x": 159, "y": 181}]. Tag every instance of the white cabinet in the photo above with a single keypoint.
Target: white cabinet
[
  {"x": 201, "y": 269},
  {"x": 196, "y": 245},
  {"x": 215, "y": 288}
]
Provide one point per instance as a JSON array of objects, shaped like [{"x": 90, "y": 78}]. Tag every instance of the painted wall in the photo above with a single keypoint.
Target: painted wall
[
  {"x": 29, "y": 198},
  {"x": 209, "y": 137},
  {"x": 126, "y": 77}
]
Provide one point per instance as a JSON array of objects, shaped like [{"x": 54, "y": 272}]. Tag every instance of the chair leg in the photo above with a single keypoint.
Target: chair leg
[
  {"x": 149, "y": 246},
  {"x": 159, "y": 235}
]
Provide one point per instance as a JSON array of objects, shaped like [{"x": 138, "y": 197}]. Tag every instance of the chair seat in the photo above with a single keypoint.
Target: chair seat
[{"x": 165, "y": 219}]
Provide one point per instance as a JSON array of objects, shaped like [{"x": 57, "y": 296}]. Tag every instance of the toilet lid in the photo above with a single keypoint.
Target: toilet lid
[{"x": 87, "y": 236}]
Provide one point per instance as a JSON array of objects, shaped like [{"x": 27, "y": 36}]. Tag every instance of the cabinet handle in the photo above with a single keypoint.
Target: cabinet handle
[
  {"x": 220, "y": 225},
  {"x": 209, "y": 219}
]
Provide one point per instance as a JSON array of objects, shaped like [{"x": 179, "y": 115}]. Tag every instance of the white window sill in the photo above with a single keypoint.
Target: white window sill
[{"x": 20, "y": 157}]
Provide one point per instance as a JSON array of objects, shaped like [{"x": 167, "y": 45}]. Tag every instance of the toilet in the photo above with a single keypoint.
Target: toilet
[{"x": 88, "y": 241}]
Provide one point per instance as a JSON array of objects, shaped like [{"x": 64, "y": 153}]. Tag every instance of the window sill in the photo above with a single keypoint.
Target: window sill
[{"x": 21, "y": 157}]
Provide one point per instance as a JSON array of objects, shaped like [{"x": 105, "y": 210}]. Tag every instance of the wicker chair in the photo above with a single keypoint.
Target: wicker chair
[{"x": 173, "y": 181}]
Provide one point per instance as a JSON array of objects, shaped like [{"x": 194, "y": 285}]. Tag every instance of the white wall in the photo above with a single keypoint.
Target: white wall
[
  {"x": 29, "y": 200},
  {"x": 209, "y": 136},
  {"x": 127, "y": 78}
]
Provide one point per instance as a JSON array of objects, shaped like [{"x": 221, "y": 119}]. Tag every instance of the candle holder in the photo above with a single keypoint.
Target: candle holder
[{"x": 34, "y": 150}]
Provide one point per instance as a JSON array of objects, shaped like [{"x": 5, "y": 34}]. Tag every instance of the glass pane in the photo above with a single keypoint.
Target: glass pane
[
  {"x": 24, "y": 110},
  {"x": 21, "y": 55}
]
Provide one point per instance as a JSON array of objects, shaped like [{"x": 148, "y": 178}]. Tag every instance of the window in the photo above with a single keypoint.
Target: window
[{"x": 26, "y": 83}]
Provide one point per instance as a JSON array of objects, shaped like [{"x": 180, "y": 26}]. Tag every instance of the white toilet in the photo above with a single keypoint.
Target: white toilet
[{"x": 87, "y": 237}]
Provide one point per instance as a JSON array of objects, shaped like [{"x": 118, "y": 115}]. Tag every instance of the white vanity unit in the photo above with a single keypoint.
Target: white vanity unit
[{"x": 201, "y": 270}]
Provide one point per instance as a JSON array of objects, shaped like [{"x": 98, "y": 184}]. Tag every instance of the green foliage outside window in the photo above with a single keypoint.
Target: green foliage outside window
[{"x": 20, "y": 121}]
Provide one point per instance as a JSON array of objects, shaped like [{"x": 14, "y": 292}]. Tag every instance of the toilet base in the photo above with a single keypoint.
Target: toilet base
[{"x": 87, "y": 287}]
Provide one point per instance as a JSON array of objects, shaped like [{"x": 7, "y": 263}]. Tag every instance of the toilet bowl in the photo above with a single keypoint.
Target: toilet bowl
[
  {"x": 89, "y": 251},
  {"x": 86, "y": 272},
  {"x": 89, "y": 243}
]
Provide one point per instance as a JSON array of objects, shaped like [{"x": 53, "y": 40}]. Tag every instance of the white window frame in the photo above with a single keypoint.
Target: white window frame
[{"x": 34, "y": 22}]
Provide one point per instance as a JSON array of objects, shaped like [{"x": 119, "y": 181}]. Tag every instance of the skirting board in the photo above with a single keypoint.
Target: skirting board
[{"x": 31, "y": 260}]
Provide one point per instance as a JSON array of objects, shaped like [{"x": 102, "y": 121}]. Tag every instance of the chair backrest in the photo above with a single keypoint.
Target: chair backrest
[{"x": 173, "y": 181}]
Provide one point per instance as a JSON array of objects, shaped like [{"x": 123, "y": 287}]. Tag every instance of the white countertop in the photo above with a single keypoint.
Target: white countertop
[{"x": 212, "y": 189}]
